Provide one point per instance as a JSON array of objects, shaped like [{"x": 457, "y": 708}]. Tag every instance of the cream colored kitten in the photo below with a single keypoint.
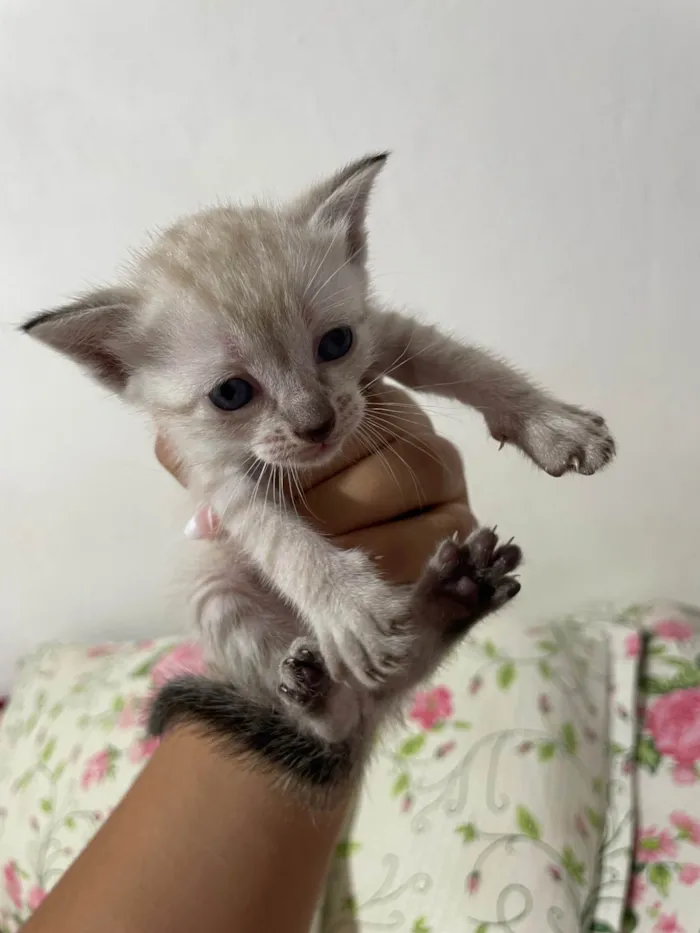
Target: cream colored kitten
[{"x": 251, "y": 337}]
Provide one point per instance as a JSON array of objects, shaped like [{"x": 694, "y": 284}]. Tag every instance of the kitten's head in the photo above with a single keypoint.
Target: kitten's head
[{"x": 244, "y": 332}]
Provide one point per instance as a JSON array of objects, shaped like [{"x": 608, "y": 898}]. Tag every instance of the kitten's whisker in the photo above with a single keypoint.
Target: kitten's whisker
[
  {"x": 411, "y": 439},
  {"x": 419, "y": 489},
  {"x": 377, "y": 441}
]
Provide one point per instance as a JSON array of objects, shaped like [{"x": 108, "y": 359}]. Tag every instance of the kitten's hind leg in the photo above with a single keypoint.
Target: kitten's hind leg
[{"x": 330, "y": 709}]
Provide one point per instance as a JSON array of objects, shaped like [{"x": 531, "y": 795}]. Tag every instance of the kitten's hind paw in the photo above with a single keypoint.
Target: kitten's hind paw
[
  {"x": 317, "y": 703},
  {"x": 304, "y": 680},
  {"x": 468, "y": 580}
]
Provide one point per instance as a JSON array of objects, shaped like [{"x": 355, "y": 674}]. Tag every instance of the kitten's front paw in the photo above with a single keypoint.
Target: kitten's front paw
[
  {"x": 361, "y": 626},
  {"x": 561, "y": 439},
  {"x": 465, "y": 581}
]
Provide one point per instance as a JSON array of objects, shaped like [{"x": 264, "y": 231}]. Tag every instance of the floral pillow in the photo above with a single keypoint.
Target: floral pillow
[
  {"x": 665, "y": 895},
  {"x": 499, "y": 808},
  {"x": 508, "y": 804},
  {"x": 72, "y": 741}
]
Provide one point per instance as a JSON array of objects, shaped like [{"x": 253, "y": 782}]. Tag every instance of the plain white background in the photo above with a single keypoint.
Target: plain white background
[{"x": 543, "y": 199}]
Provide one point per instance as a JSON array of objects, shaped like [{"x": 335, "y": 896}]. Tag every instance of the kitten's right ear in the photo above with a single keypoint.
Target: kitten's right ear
[{"x": 97, "y": 331}]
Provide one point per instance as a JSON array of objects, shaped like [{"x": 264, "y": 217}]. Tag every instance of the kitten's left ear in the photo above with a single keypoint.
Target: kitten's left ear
[
  {"x": 340, "y": 203},
  {"x": 97, "y": 331}
]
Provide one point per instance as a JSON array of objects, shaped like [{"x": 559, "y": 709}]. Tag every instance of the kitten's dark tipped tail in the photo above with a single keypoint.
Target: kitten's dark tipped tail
[{"x": 262, "y": 732}]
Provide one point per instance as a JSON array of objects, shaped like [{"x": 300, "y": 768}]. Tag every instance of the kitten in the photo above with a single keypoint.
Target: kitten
[{"x": 251, "y": 337}]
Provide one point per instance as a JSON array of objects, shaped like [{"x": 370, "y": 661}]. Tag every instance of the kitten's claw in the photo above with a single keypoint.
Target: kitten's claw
[
  {"x": 562, "y": 439},
  {"x": 468, "y": 581}
]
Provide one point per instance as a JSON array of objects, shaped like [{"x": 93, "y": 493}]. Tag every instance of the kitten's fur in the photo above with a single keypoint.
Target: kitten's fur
[{"x": 298, "y": 626}]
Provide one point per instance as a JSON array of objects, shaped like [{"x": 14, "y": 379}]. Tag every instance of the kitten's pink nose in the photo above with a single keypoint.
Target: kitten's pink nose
[{"x": 318, "y": 433}]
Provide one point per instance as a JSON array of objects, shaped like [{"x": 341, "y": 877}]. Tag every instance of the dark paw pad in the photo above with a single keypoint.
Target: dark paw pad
[
  {"x": 473, "y": 578},
  {"x": 304, "y": 680}
]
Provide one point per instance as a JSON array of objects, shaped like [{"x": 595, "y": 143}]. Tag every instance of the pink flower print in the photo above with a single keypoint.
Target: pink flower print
[
  {"x": 689, "y": 874},
  {"x": 655, "y": 846},
  {"x": 638, "y": 889},
  {"x": 688, "y": 828},
  {"x": 13, "y": 885},
  {"x": 684, "y": 774},
  {"x": 100, "y": 651},
  {"x": 473, "y": 882},
  {"x": 581, "y": 827},
  {"x": 445, "y": 749},
  {"x": 674, "y": 722},
  {"x": 674, "y": 630},
  {"x": 554, "y": 872},
  {"x": 431, "y": 707},
  {"x": 97, "y": 767},
  {"x": 35, "y": 897},
  {"x": 186, "y": 658},
  {"x": 544, "y": 704},
  {"x": 406, "y": 803},
  {"x": 475, "y": 684},
  {"x": 668, "y": 924},
  {"x": 525, "y": 747},
  {"x": 145, "y": 645},
  {"x": 633, "y": 645},
  {"x": 142, "y": 749}
]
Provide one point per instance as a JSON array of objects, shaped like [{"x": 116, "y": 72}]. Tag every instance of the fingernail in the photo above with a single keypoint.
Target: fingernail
[{"x": 192, "y": 529}]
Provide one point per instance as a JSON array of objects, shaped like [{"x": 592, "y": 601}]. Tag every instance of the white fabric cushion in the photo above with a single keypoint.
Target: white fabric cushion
[{"x": 493, "y": 805}]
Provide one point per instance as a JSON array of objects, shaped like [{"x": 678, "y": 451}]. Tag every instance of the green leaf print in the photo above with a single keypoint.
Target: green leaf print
[
  {"x": 545, "y": 751},
  {"x": 594, "y": 818},
  {"x": 412, "y": 745},
  {"x": 648, "y": 755},
  {"x": 568, "y": 737},
  {"x": 46, "y": 805},
  {"x": 660, "y": 876},
  {"x": 346, "y": 849},
  {"x": 58, "y": 770},
  {"x": 118, "y": 705},
  {"x": 575, "y": 870},
  {"x": 545, "y": 670},
  {"x": 349, "y": 903},
  {"x": 629, "y": 921},
  {"x": 462, "y": 724},
  {"x": 548, "y": 646},
  {"x": 506, "y": 675},
  {"x": 48, "y": 750},
  {"x": 468, "y": 832},
  {"x": 490, "y": 649},
  {"x": 527, "y": 824},
  {"x": 420, "y": 926},
  {"x": 599, "y": 926},
  {"x": 23, "y": 782},
  {"x": 482, "y": 928},
  {"x": 69, "y": 822},
  {"x": 400, "y": 785}
]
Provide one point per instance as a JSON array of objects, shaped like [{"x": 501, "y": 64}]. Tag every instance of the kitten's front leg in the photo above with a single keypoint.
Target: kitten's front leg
[
  {"x": 353, "y": 613},
  {"x": 559, "y": 438}
]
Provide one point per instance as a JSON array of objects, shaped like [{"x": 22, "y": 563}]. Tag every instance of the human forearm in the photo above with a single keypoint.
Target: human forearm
[{"x": 181, "y": 853}]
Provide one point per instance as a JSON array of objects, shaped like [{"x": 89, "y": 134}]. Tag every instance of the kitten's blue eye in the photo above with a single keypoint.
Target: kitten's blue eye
[
  {"x": 334, "y": 344},
  {"x": 232, "y": 394}
]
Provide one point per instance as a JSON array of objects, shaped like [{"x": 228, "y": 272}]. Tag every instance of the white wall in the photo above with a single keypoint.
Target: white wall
[{"x": 544, "y": 199}]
